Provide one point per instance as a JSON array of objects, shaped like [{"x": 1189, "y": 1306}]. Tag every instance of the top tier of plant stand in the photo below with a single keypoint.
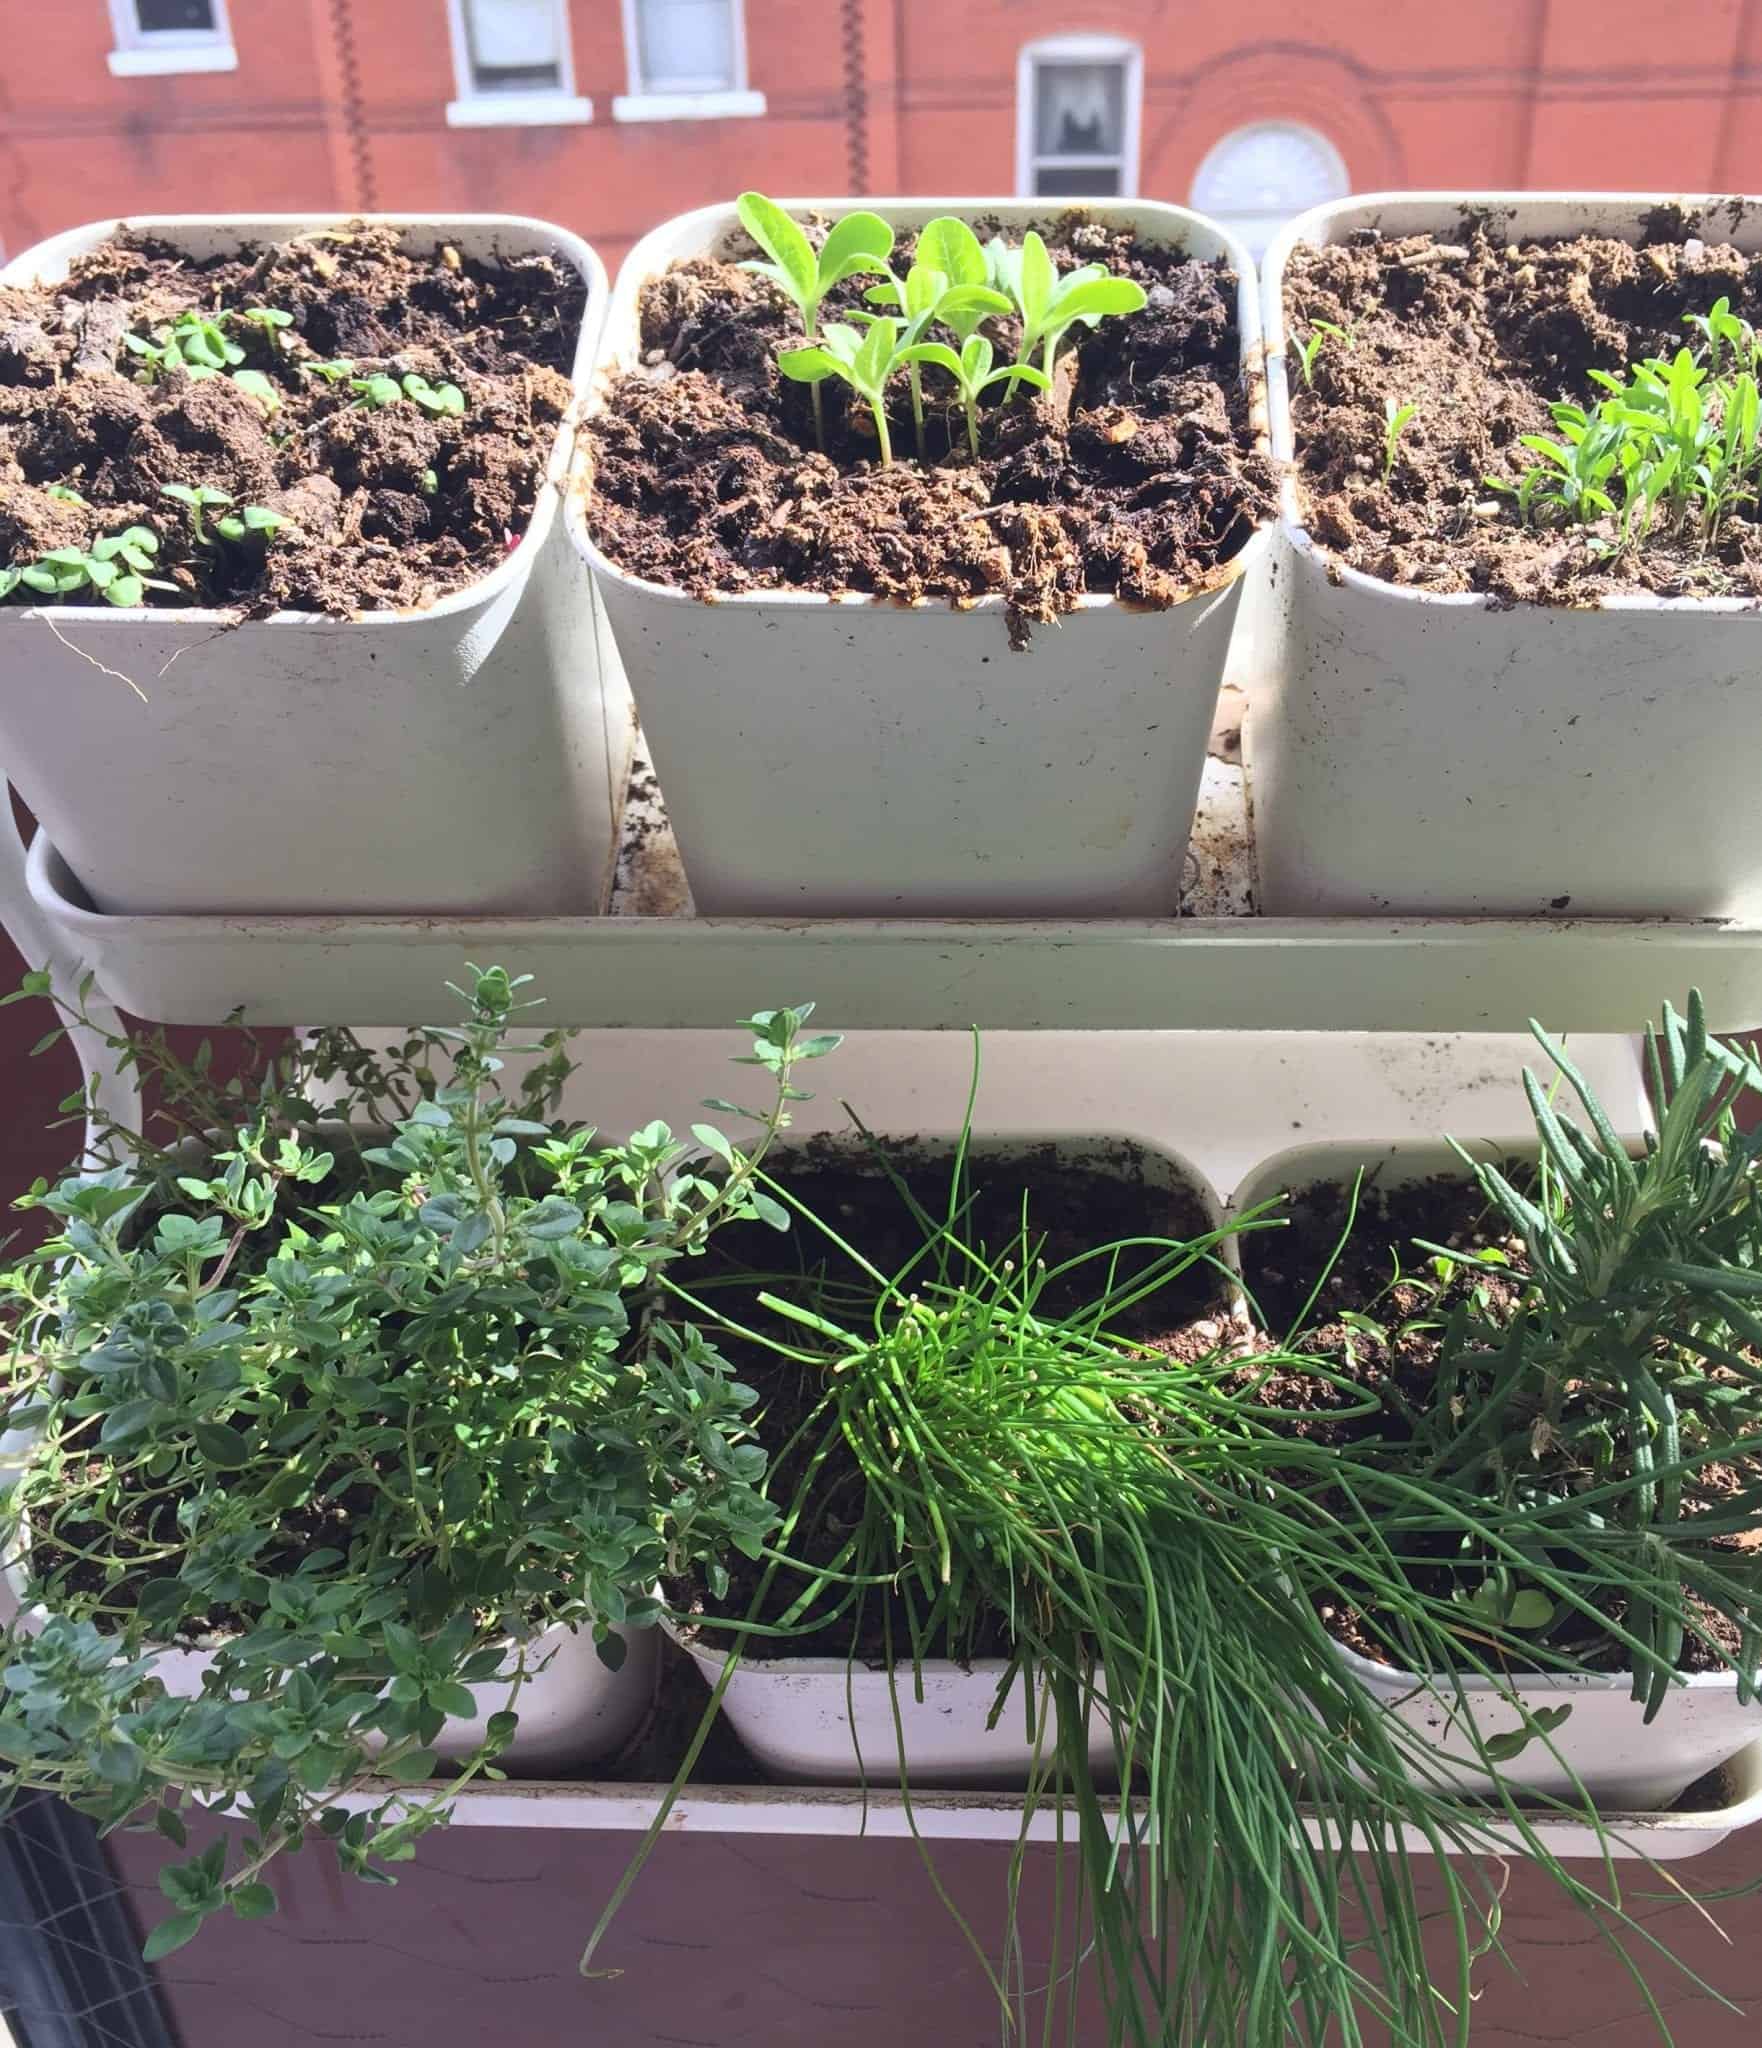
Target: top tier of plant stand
[{"x": 650, "y": 963}]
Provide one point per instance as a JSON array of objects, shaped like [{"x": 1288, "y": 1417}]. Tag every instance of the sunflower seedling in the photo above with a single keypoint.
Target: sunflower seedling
[
  {"x": 1398, "y": 417},
  {"x": 973, "y": 374},
  {"x": 864, "y": 361},
  {"x": 860, "y": 242},
  {"x": 1050, "y": 305}
]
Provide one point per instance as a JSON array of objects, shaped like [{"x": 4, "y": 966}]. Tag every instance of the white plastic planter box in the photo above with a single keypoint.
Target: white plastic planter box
[
  {"x": 1604, "y": 1743},
  {"x": 470, "y": 757},
  {"x": 823, "y": 1721},
  {"x": 1413, "y": 752},
  {"x": 856, "y": 757}
]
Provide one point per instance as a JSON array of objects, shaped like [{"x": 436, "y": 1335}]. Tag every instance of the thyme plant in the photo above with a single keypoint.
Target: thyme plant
[{"x": 364, "y": 1422}]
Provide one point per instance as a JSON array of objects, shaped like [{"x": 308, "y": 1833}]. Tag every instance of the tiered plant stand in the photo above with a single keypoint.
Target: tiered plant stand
[{"x": 1221, "y": 1034}]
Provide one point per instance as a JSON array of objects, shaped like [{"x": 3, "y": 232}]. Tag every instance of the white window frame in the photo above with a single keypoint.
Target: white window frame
[
  {"x": 154, "y": 53},
  {"x": 1078, "y": 50},
  {"x": 473, "y": 109},
  {"x": 648, "y": 102}
]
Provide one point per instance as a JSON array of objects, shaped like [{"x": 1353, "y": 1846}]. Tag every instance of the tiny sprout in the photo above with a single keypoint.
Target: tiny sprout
[
  {"x": 333, "y": 372},
  {"x": 1398, "y": 417},
  {"x": 1050, "y": 305},
  {"x": 376, "y": 391},
  {"x": 116, "y": 567},
  {"x": 204, "y": 498},
  {"x": 65, "y": 492},
  {"x": 255, "y": 385},
  {"x": 864, "y": 361},
  {"x": 973, "y": 374},
  {"x": 253, "y": 519},
  {"x": 430, "y": 483},
  {"x": 447, "y": 400},
  {"x": 1320, "y": 333},
  {"x": 270, "y": 318}
]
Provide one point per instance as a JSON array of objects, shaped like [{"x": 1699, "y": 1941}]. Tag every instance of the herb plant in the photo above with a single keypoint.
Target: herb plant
[
  {"x": 202, "y": 499},
  {"x": 364, "y": 1423},
  {"x": 116, "y": 567},
  {"x": 973, "y": 1458}
]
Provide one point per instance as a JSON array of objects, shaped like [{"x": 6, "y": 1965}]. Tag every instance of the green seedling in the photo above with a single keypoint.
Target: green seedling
[
  {"x": 376, "y": 391},
  {"x": 1320, "y": 333},
  {"x": 973, "y": 374},
  {"x": 255, "y": 385},
  {"x": 64, "y": 492},
  {"x": 859, "y": 243},
  {"x": 445, "y": 400},
  {"x": 1051, "y": 305},
  {"x": 195, "y": 343},
  {"x": 202, "y": 499},
  {"x": 272, "y": 320},
  {"x": 116, "y": 567},
  {"x": 946, "y": 286},
  {"x": 1398, "y": 417},
  {"x": 333, "y": 372},
  {"x": 863, "y": 361},
  {"x": 1722, "y": 330}
]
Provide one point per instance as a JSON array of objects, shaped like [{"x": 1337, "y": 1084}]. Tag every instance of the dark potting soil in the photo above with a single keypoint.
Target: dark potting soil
[
  {"x": 1070, "y": 1210},
  {"x": 1480, "y": 334},
  {"x": 386, "y": 509},
  {"x": 1138, "y": 475},
  {"x": 1281, "y": 1267}
]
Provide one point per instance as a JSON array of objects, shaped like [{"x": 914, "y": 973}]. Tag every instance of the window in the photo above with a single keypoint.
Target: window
[
  {"x": 1077, "y": 101},
  {"x": 170, "y": 35},
  {"x": 1258, "y": 177},
  {"x": 686, "y": 60},
  {"x": 514, "y": 64}
]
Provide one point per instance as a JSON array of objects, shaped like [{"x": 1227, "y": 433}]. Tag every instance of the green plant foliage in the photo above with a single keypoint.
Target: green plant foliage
[
  {"x": 202, "y": 499},
  {"x": 381, "y": 389},
  {"x": 858, "y": 243},
  {"x": 864, "y": 361},
  {"x": 116, "y": 568},
  {"x": 973, "y": 375},
  {"x": 1321, "y": 332},
  {"x": 1049, "y": 304},
  {"x": 1396, "y": 419},
  {"x": 366, "y": 1421},
  {"x": 1678, "y": 438}
]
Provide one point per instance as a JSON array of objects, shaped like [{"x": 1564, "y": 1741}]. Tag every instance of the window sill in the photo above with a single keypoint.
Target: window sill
[
  {"x": 519, "y": 110},
  {"x": 163, "y": 63},
  {"x": 687, "y": 106}
]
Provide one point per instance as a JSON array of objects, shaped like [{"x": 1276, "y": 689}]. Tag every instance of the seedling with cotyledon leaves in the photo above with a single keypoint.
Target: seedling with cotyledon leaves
[
  {"x": 1051, "y": 305},
  {"x": 381, "y": 389},
  {"x": 198, "y": 345},
  {"x": 973, "y": 375},
  {"x": 201, "y": 499},
  {"x": 863, "y": 361},
  {"x": 946, "y": 286},
  {"x": 116, "y": 568}
]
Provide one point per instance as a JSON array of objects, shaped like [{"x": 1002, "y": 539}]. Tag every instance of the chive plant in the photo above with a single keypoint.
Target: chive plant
[{"x": 1159, "y": 1545}]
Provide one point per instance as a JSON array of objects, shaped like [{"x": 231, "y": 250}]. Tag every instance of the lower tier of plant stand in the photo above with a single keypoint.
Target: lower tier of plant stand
[{"x": 1701, "y": 1822}]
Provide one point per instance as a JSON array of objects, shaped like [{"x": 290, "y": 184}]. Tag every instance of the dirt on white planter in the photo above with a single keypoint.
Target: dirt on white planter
[
  {"x": 823, "y": 1721},
  {"x": 468, "y": 757},
  {"x": 1604, "y": 1742},
  {"x": 1412, "y": 752},
  {"x": 855, "y": 757}
]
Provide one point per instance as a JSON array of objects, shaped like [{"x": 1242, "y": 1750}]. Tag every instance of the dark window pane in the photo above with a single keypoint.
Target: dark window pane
[
  {"x": 164, "y": 17},
  {"x": 1078, "y": 181}
]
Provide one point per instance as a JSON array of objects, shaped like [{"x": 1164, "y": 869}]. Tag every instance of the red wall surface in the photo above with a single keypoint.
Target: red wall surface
[{"x": 342, "y": 104}]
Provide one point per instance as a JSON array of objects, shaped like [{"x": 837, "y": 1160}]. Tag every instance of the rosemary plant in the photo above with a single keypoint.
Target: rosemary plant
[{"x": 364, "y": 1423}]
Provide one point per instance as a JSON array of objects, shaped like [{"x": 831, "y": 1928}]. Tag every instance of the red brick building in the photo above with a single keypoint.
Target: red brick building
[{"x": 609, "y": 115}]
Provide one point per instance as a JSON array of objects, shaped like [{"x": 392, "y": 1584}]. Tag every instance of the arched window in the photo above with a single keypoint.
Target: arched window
[
  {"x": 1257, "y": 177},
  {"x": 1077, "y": 101}
]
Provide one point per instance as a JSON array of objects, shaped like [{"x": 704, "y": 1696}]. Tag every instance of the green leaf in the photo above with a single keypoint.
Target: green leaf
[
  {"x": 255, "y": 385},
  {"x": 1099, "y": 297},
  {"x": 949, "y": 245},
  {"x": 1038, "y": 279},
  {"x": 783, "y": 241},
  {"x": 942, "y": 357},
  {"x": 712, "y": 1140},
  {"x": 806, "y": 365},
  {"x": 253, "y": 1901},
  {"x": 125, "y": 591},
  {"x": 859, "y": 242},
  {"x": 169, "y": 1935},
  {"x": 412, "y": 1767},
  {"x": 221, "y": 1444}
]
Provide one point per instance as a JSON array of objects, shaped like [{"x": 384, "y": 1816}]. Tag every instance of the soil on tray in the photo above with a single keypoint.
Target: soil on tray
[
  {"x": 385, "y": 509},
  {"x": 1137, "y": 475},
  {"x": 1070, "y": 1210},
  {"x": 1280, "y": 1268},
  {"x": 1481, "y": 334}
]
